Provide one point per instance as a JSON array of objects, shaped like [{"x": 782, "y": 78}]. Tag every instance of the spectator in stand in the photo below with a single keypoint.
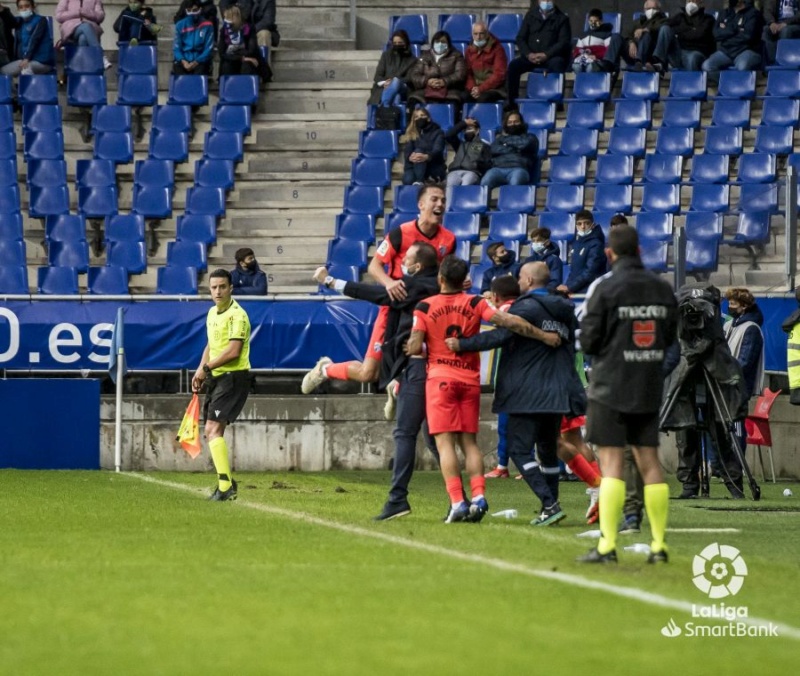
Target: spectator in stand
[
  {"x": 782, "y": 22},
  {"x": 686, "y": 39},
  {"x": 544, "y": 42},
  {"x": 424, "y": 150},
  {"x": 208, "y": 10},
  {"x": 486, "y": 66},
  {"x": 79, "y": 22},
  {"x": 247, "y": 278},
  {"x": 237, "y": 47},
  {"x": 263, "y": 18},
  {"x": 473, "y": 155},
  {"x": 505, "y": 264},
  {"x": 439, "y": 76},
  {"x": 390, "y": 86},
  {"x": 34, "y": 48},
  {"x": 738, "y": 35},
  {"x": 545, "y": 251},
  {"x": 8, "y": 24},
  {"x": 193, "y": 46},
  {"x": 514, "y": 154},
  {"x": 589, "y": 53},
  {"x": 137, "y": 24},
  {"x": 641, "y": 41},
  {"x": 588, "y": 260}
]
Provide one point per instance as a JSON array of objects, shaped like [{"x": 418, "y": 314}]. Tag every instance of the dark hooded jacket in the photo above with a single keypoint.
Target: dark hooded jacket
[
  {"x": 249, "y": 282},
  {"x": 430, "y": 142},
  {"x": 551, "y": 256},
  {"x": 551, "y": 35},
  {"x": 694, "y": 33},
  {"x": 742, "y": 30},
  {"x": 391, "y": 65},
  {"x": 511, "y": 151},
  {"x": 588, "y": 260},
  {"x": 500, "y": 270},
  {"x": 751, "y": 348},
  {"x": 474, "y": 155}
]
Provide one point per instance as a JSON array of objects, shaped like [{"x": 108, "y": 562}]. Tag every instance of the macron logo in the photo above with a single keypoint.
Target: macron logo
[{"x": 217, "y": 412}]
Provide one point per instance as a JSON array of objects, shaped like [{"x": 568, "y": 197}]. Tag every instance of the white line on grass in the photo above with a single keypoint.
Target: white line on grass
[
  {"x": 704, "y": 530},
  {"x": 640, "y": 595}
]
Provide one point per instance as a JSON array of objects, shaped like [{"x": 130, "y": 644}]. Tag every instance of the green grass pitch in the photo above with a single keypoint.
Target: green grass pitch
[{"x": 103, "y": 573}]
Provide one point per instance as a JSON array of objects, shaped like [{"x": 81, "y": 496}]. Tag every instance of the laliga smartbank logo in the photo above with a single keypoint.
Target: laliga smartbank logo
[{"x": 719, "y": 571}]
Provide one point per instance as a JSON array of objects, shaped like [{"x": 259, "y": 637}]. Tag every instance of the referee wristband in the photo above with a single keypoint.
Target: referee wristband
[{"x": 206, "y": 369}]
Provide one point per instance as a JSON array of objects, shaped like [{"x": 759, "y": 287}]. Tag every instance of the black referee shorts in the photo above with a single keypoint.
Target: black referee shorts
[
  {"x": 608, "y": 427},
  {"x": 226, "y": 395}
]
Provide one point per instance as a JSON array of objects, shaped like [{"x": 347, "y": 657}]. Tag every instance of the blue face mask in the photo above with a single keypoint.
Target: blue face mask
[
  {"x": 538, "y": 247},
  {"x": 546, "y": 6},
  {"x": 440, "y": 47}
]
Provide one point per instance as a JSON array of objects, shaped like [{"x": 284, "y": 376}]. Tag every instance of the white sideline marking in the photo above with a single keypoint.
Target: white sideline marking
[
  {"x": 704, "y": 530},
  {"x": 784, "y": 630}
]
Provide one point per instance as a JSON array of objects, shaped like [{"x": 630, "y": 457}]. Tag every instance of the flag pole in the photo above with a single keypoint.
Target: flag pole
[{"x": 118, "y": 420}]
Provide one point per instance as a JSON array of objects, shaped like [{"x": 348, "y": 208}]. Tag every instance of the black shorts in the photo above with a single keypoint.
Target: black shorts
[
  {"x": 226, "y": 395},
  {"x": 607, "y": 427}
]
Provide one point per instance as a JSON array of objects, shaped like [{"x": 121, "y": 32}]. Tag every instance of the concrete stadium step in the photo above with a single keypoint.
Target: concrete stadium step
[
  {"x": 299, "y": 251},
  {"x": 333, "y": 161},
  {"x": 319, "y": 136},
  {"x": 300, "y": 193},
  {"x": 288, "y": 222},
  {"x": 288, "y": 103}
]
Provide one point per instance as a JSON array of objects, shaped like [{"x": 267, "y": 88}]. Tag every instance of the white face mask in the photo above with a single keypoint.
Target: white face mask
[
  {"x": 439, "y": 47},
  {"x": 480, "y": 43},
  {"x": 649, "y": 13},
  {"x": 691, "y": 8},
  {"x": 583, "y": 233},
  {"x": 538, "y": 247},
  {"x": 546, "y": 6}
]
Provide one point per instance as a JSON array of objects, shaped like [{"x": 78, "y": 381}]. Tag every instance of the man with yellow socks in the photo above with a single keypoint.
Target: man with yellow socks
[
  {"x": 225, "y": 371},
  {"x": 628, "y": 324}
]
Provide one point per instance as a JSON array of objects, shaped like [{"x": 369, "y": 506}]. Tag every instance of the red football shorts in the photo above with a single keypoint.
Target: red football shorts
[
  {"x": 568, "y": 424},
  {"x": 374, "y": 351},
  {"x": 452, "y": 406}
]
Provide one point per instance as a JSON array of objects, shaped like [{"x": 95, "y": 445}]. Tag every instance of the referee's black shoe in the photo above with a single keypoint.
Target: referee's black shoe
[
  {"x": 658, "y": 557},
  {"x": 221, "y": 496},
  {"x": 593, "y": 556},
  {"x": 393, "y": 510}
]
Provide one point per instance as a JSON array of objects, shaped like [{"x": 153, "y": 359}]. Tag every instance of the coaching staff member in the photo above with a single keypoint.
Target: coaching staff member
[
  {"x": 629, "y": 322},
  {"x": 224, "y": 369}
]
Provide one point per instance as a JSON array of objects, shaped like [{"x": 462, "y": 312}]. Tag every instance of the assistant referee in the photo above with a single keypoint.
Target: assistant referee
[{"x": 225, "y": 370}]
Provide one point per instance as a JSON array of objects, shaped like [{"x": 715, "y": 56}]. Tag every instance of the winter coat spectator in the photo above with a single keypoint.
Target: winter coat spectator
[
  {"x": 547, "y": 252},
  {"x": 473, "y": 156},
  {"x": 738, "y": 35},
  {"x": 782, "y": 22},
  {"x": 390, "y": 86},
  {"x": 641, "y": 41},
  {"x": 424, "y": 150},
  {"x": 247, "y": 278},
  {"x": 588, "y": 261},
  {"x": 514, "y": 154},
  {"x": 589, "y": 52},
  {"x": 237, "y": 46},
  {"x": 79, "y": 21},
  {"x": 439, "y": 76},
  {"x": 487, "y": 66},
  {"x": 745, "y": 337},
  {"x": 207, "y": 9},
  {"x": 137, "y": 24},
  {"x": 504, "y": 263},
  {"x": 193, "y": 45},
  {"x": 34, "y": 48},
  {"x": 686, "y": 39}
]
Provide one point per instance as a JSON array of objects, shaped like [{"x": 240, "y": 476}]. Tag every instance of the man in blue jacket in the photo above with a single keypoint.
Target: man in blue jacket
[
  {"x": 505, "y": 263},
  {"x": 193, "y": 46},
  {"x": 588, "y": 261},
  {"x": 738, "y": 36},
  {"x": 247, "y": 278},
  {"x": 545, "y": 251}
]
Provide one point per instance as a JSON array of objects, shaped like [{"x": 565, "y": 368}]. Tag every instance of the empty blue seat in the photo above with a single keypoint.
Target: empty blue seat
[
  {"x": 6, "y": 117},
  {"x": 731, "y": 112},
  {"x": 169, "y": 145},
  {"x": 753, "y": 227},
  {"x": 586, "y": 114},
  {"x": 681, "y": 113},
  {"x": 69, "y": 254},
  {"x": 239, "y": 90},
  {"x": 642, "y": 85},
  {"x": 710, "y": 197},
  {"x": 44, "y": 145},
  {"x": 13, "y": 279},
  {"x": 124, "y": 228},
  {"x": 155, "y": 201},
  {"x": 201, "y": 200},
  {"x": 38, "y": 89},
  {"x": 758, "y": 197},
  {"x": 95, "y": 173},
  {"x": 627, "y": 141},
  {"x": 476, "y": 272},
  {"x": 702, "y": 256},
  {"x": 654, "y": 226},
  {"x": 675, "y": 141},
  {"x": 223, "y": 145},
  {"x": 9, "y": 199},
  {"x": 136, "y": 89},
  {"x": 45, "y": 173},
  {"x": 774, "y": 140},
  {"x": 567, "y": 169},
  {"x": 172, "y": 118},
  {"x": 614, "y": 169},
  {"x": 489, "y": 115},
  {"x": 378, "y": 143},
  {"x": 757, "y": 168},
  {"x": 633, "y": 113},
  {"x": 416, "y": 25},
  {"x": 231, "y": 118},
  {"x": 510, "y": 48},
  {"x": 472, "y": 199},
  {"x": 542, "y": 137},
  {"x": 44, "y": 117},
  {"x": 12, "y": 252},
  {"x": 561, "y": 225},
  {"x": 65, "y": 227},
  {"x": 348, "y": 252},
  {"x": 152, "y": 172},
  {"x": 11, "y": 227},
  {"x": 108, "y": 118},
  {"x": 578, "y": 141},
  {"x": 508, "y": 226},
  {"x": 364, "y": 199},
  {"x": 787, "y": 55},
  {"x": 214, "y": 173},
  {"x": 48, "y": 200},
  {"x": 129, "y": 255},
  {"x": 688, "y": 84},
  {"x": 396, "y": 218},
  {"x": 463, "y": 225},
  {"x": 98, "y": 201},
  {"x": 737, "y": 84},
  {"x": 780, "y": 112},
  {"x": 5, "y": 89},
  {"x": 782, "y": 83},
  {"x": 443, "y": 114},
  {"x": 538, "y": 114},
  {"x": 187, "y": 254},
  {"x": 709, "y": 169},
  {"x": 562, "y": 197},
  {"x": 371, "y": 171},
  {"x": 458, "y": 26},
  {"x": 116, "y": 146},
  {"x": 663, "y": 169},
  {"x": 138, "y": 59},
  {"x": 86, "y": 91},
  {"x": 723, "y": 141},
  {"x": 612, "y": 197},
  {"x": 401, "y": 125},
  {"x": 519, "y": 198},
  {"x": 504, "y": 27},
  {"x": 8, "y": 145},
  {"x": 356, "y": 226},
  {"x": 592, "y": 86},
  {"x": 661, "y": 197},
  {"x": 701, "y": 225},
  {"x": 174, "y": 280},
  {"x": 654, "y": 254},
  {"x": 463, "y": 250},
  {"x": 188, "y": 90},
  {"x": 545, "y": 87},
  {"x": 108, "y": 280},
  {"x": 197, "y": 228},
  {"x": 58, "y": 281}
]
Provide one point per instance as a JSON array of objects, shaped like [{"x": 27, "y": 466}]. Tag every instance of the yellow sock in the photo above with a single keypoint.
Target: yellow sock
[
  {"x": 611, "y": 500},
  {"x": 656, "y": 503},
  {"x": 219, "y": 454}
]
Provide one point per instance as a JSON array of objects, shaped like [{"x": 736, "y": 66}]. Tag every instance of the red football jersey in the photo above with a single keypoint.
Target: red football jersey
[{"x": 394, "y": 247}]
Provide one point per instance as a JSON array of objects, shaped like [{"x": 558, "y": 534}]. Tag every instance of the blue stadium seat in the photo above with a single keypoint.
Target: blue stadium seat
[
  {"x": 731, "y": 112},
  {"x": 108, "y": 280},
  {"x": 782, "y": 83},
  {"x": 197, "y": 228},
  {"x": 663, "y": 169},
  {"x": 44, "y": 173},
  {"x": 661, "y": 197},
  {"x": 11, "y": 227},
  {"x": 473, "y": 199},
  {"x": 188, "y": 90},
  {"x": 585, "y": 114},
  {"x": 116, "y": 146},
  {"x": 231, "y": 119},
  {"x": 561, "y": 197},
  {"x": 8, "y": 145},
  {"x": 5, "y": 90},
  {"x": 95, "y": 173},
  {"x": 653, "y": 225},
  {"x": 214, "y": 173},
  {"x": 156, "y": 201},
  {"x": 675, "y": 141},
  {"x": 443, "y": 114},
  {"x": 508, "y": 226},
  {"x": 787, "y": 55},
  {"x": 753, "y": 227},
  {"x": 44, "y": 117},
  {"x": 736, "y": 84},
  {"x": 681, "y": 113},
  {"x": 613, "y": 198},
  {"x": 700, "y": 225},
  {"x": 578, "y": 141},
  {"x": 13, "y": 280},
  {"x": 688, "y": 84},
  {"x": 510, "y": 48},
  {"x": 98, "y": 201},
  {"x": 136, "y": 89},
  {"x": 709, "y": 169},
  {"x": 124, "y": 228},
  {"x": 187, "y": 254},
  {"x": 463, "y": 225},
  {"x": 48, "y": 200},
  {"x": 9, "y": 199},
  {"x": 757, "y": 168},
  {"x": 567, "y": 169},
  {"x": 542, "y": 136},
  {"x": 86, "y": 91},
  {"x": 592, "y": 86},
  {"x": 168, "y": 145},
  {"x": 538, "y": 115},
  {"x": 111, "y": 119},
  {"x": 365, "y": 199},
  {"x": 774, "y": 140},
  {"x": 511, "y": 245},
  {"x": 644, "y": 86},
  {"x": 396, "y": 218},
  {"x": 65, "y": 227},
  {"x": 476, "y": 271},
  {"x": 172, "y": 118},
  {"x": 152, "y": 172},
  {"x": 504, "y": 27},
  {"x": 371, "y": 171},
  {"x": 614, "y": 169},
  {"x": 41, "y": 89},
  {"x": 223, "y": 145},
  {"x": 6, "y": 117},
  {"x": 654, "y": 254},
  {"x": 463, "y": 250},
  {"x": 401, "y": 125},
  {"x": 348, "y": 273},
  {"x": 176, "y": 281},
  {"x": 205, "y": 201},
  {"x": 378, "y": 143},
  {"x": 758, "y": 197},
  {"x": 69, "y": 254},
  {"x": 58, "y": 281},
  {"x": 12, "y": 252},
  {"x": 519, "y": 198},
  {"x": 723, "y": 141},
  {"x": 239, "y": 90},
  {"x": 702, "y": 256},
  {"x": 561, "y": 225},
  {"x": 633, "y": 113},
  {"x": 44, "y": 145},
  {"x": 710, "y": 197},
  {"x": 603, "y": 219},
  {"x": 489, "y": 115},
  {"x": 139, "y": 59},
  {"x": 780, "y": 112},
  {"x": 458, "y": 26},
  {"x": 627, "y": 141},
  {"x": 129, "y": 255},
  {"x": 545, "y": 87},
  {"x": 348, "y": 252},
  {"x": 356, "y": 226},
  {"x": 416, "y": 25}
]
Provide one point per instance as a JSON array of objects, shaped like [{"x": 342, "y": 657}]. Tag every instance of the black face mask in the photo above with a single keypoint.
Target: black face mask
[
  {"x": 514, "y": 129},
  {"x": 252, "y": 266},
  {"x": 400, "y": 49},
  {"x": 421, "y": 124},
  {"x": 505, "y": 259},
  {"x": 470, "y": 135}
]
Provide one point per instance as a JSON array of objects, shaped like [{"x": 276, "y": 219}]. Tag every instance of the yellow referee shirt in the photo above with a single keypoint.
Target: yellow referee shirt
[{"x": 222, "y": 327}]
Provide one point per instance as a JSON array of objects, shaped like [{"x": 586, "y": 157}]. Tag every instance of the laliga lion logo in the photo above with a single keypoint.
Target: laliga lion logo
[{"x": 719, "y": 571}]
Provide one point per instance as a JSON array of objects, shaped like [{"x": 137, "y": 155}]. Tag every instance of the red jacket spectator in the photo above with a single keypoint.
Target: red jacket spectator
[{"x": 486, "y": 68}]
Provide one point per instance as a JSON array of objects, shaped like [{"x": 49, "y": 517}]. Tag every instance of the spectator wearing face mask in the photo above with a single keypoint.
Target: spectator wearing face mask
[
  {"x": 207, "y": 9},
  {"x": 738, "y": 35},
  {"x": 193, "y": 46},
  {"x": 440, "y": 74},
  {"x": 237, "y": 47},
  {"x": 137, "y": 24},
  {"x": 390, "y": 86},
  {"x": 33, "y": 47},
  {"x": 487, "y": 65},
  {"x": 641, "y": 41},
  {"x": 247, "y": 278},
  {"x": 547, "y": 252},
  {"x": 686, "y": 39},
  {"x": 589, "y": 53},
  {"x": 505, "y": 264},
  {"x": 473, "y": 155},
  {"x": 424, "y": 150},
  {"x": 514, "y": 154},
  {"x": 79, "y": 22},
  {"x": 588, "y": 260}
]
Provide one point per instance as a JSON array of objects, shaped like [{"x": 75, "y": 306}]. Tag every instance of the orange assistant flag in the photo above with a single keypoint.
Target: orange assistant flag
[{"x": 189, "y": 431}]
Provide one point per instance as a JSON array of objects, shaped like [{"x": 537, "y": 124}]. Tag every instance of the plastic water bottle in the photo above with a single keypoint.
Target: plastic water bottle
[
  {"x": 638, "y": 548},
  {"x": 507, "y": 514}
]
